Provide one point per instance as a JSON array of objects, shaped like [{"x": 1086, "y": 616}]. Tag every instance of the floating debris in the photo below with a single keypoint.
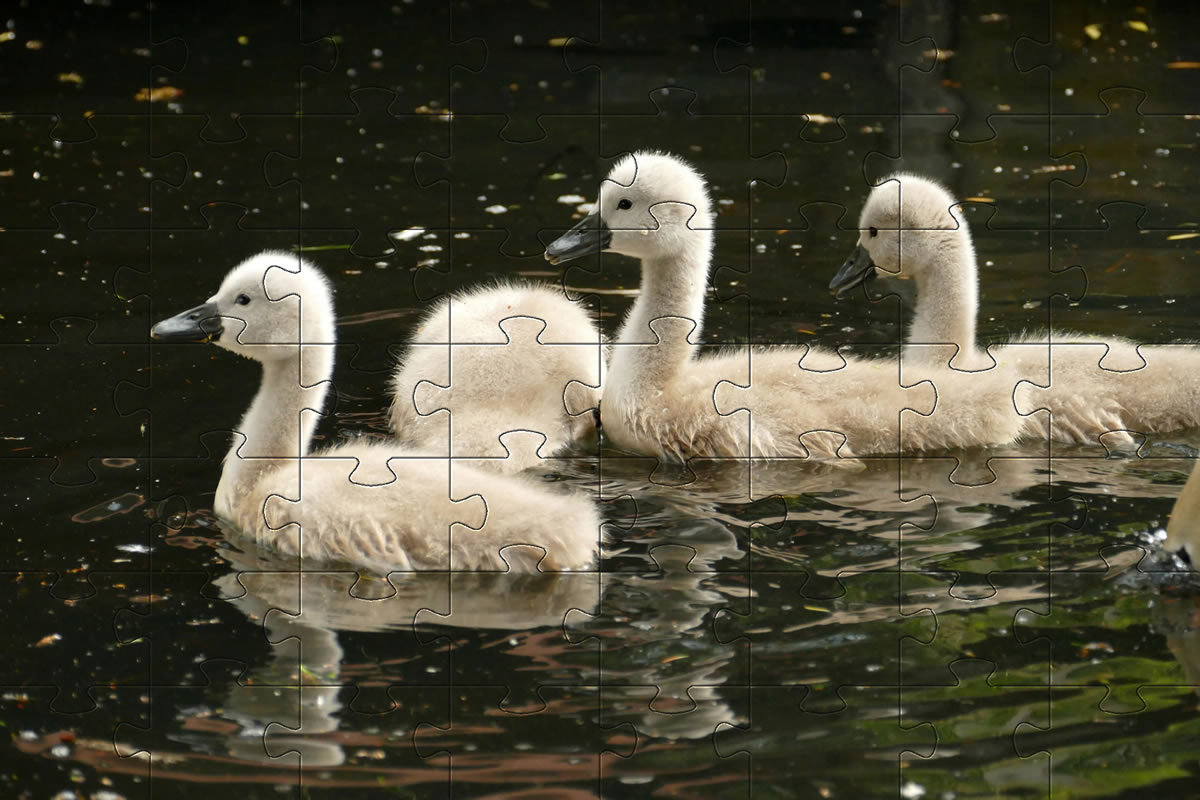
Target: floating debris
[{"x": 159, "y": 95}]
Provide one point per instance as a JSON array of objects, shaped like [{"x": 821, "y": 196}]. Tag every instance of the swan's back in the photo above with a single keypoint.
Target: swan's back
[
  {"x": 360, "y": 514},
  {"x": 509, "y": 354}
]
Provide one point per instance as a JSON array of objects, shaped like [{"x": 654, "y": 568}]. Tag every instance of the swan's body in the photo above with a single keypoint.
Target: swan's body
[
  {"x": 509, "y": 355},
  {"x": 664, "y": 399},
  {"x": 343, "y": 503},
  {"x": 908, "y": 227}
]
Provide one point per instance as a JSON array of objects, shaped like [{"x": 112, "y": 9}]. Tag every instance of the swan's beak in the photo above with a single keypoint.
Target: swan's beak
[
  {"x": 591, "y": 235},
  {"x": 200, "y": 324},
  {"x": 857, "y": 270}
]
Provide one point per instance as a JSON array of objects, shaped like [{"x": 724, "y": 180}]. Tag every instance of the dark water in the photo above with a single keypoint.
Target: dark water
[{"x": 795, "y": 630}]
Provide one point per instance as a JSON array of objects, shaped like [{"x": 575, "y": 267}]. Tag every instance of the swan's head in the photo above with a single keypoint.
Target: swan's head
[
  {"x": 650, "y": 205},
  {"x": 903, "y": 227},
  {"x": 266, "y": 305}
]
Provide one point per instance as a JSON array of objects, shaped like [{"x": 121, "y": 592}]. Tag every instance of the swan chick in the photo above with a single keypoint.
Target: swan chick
[
  {"x": 909, "y": 227},
  {"x": 662, "y": 398},
  {"x": 370, "y": 503},
  {"x": 499, "y": 358}
]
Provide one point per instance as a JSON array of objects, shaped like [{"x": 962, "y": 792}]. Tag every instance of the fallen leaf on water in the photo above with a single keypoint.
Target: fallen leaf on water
[
  {"x": 1183, "y": 65},
  {"x": 7, "y": 36},
  {"x": 1093, "y": 31},
  {"x": 157, "y": 95},
  {"x": 557, "y": 41},
  {"x": 1137, "y": 25},
  {"x": 70, "y": 77},
  {"x": 46, "y": 641},
  {"x": 979, "y": 200},
  {"x": 1177, "y": 236},
  {"x": 820, "y": 119}
]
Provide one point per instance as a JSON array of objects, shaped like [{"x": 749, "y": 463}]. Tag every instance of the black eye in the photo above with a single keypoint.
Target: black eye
[
  {"x": 624, "y": 203},
  {"x": 874, "y": 232},
  {"x": 243, "y": 300}
]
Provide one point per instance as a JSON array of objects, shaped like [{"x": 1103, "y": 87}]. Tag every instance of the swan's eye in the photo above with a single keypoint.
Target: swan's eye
[
  {"x": 624, "y": 203},
  {"x": 874, "y": 232},
  {"x": 243, "y": 300}
]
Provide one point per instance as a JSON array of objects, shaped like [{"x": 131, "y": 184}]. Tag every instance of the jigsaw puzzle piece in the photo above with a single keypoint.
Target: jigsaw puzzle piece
[
  {"x": 559, "y": 163},
  {"x": 188, "y": 51},
  {"x": 74, "y": 276},
  {"x": 521, "y": 643},
  {"x": 1158, "y": 144},
  {"x": 328, "y": 764},
  {"x": 1124, "y": 271},
  {"x": 959, "y": 601},
  {"x": 112, "y": 521},
  {"x": 985, "y": 401},
  {"x": 369, "y": 54},
  {"x": 787, "y": 41},
  {"x": 843, "y": 429},
  {"x": 629, "y": 35},
  {"x": 1093, "y": 637},
  {"x": 525, "y": 69},
  {"x": 177, "y": 656},
  {"x": 670, "y": 650},
  {"x": 1131, "y": 390},
  {"x": 106, "y": 171},
  {"x": 790, "y": 612},
  {"x": 862, "y": 732},
  {"x": 484, "y": 360},
  {"x": 971, "y": 69},
  {"x": 1090, "y": 48},
  {"x": 337, "y": 147},
  {"x": 963, "y": 723},
  {"x": 86, "y": 424},
  {"x": 486, "y": 728},
  {"x": 220, "y": 724},
  {"x": 53, "y": 748},
  {"x": 973, "y": 508},
  {"x": 68, "y": 84},
  {"x": 74, "y": 614},
  {"x": 808, "y": 143},
  {"x": 224, "y": 172}
]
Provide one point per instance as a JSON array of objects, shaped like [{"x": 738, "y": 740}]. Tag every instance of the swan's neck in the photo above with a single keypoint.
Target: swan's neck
[
  {"x": 672, "y": 286},
  {"x": 280, "y": 421},
  {"x": 948, "y": 296}
]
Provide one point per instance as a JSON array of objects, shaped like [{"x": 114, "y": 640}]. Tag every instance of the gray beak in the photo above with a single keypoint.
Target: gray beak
[
  {"x": 591, "y": 235},
  {"x": 856, "y": 270},
  {"x": 199, "y": 324}
]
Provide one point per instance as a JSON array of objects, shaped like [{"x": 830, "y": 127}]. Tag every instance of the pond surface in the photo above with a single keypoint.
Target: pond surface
[{"x": 788, "y": 629}]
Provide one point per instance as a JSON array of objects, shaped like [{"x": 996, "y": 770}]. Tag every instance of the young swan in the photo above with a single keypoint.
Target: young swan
[
  {"x": 908, "y": 227},
  {"x": 661, "y": 399},
  {"x": 276, "y": 309},
  {"x": 510, "y": 355}
]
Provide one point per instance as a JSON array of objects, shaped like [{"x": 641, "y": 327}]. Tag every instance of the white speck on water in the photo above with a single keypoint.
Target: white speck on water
[
  {"x": 570, "y": 199},
  {"x": 497, "y": 209},
  {"x": 408, "y": 234},
  {"x": 912, "y": 790}
]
